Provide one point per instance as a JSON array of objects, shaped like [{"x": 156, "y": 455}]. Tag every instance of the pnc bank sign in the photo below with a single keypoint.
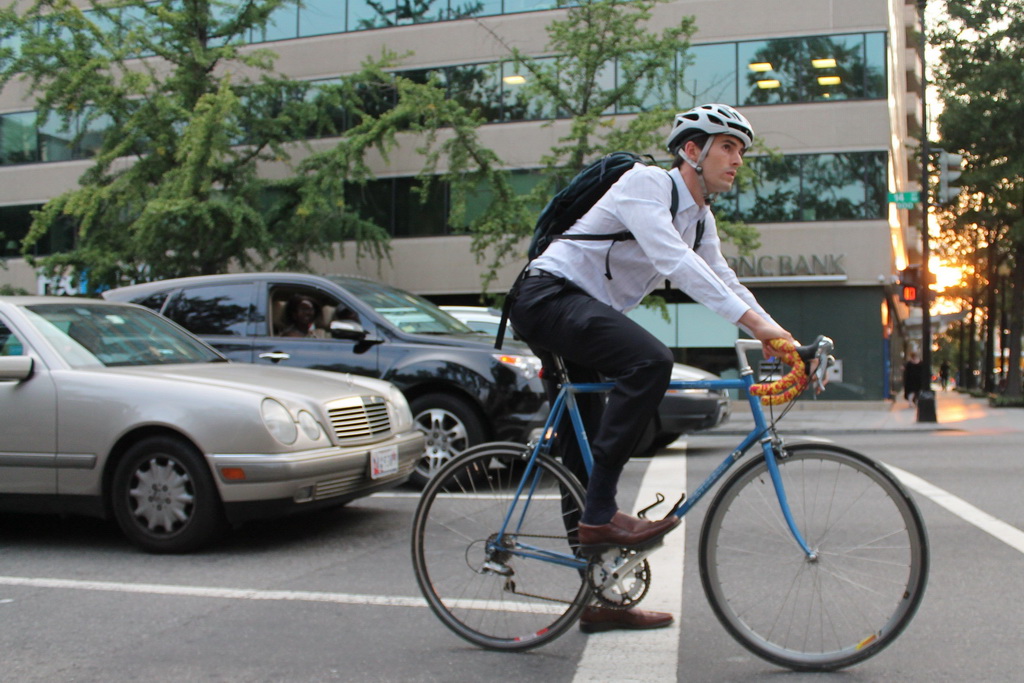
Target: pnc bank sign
[{"x": 789, "y": 267}]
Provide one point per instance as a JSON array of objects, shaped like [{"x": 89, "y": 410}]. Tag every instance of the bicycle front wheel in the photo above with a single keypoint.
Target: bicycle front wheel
[
  {"x": 512, "y": 591},
  {"x": 849, "y": 601}
]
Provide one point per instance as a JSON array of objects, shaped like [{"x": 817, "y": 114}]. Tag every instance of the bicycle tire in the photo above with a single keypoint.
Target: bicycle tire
[
  {"x": 462, "y": 507},
  {"x": 848, "y": 604}
]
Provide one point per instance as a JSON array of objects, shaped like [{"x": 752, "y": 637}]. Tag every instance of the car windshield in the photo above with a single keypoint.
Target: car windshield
[
  {"x": 97, "y": 335},
  {"x": 407, "y": 312}
]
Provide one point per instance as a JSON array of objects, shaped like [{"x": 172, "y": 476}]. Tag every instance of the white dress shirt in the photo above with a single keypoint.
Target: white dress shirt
[{"x": 640, "y": 202}]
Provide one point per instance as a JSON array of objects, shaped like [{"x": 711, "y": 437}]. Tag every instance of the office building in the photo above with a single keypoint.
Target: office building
[{"x": 833, "y": 87}]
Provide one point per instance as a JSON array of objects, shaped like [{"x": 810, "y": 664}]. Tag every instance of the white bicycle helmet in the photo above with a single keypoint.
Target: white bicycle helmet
[{"x": 710, "y": 119}]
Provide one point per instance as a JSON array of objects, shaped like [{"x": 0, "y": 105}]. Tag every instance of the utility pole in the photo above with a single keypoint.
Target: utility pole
[{"x": 926, "y": 399}]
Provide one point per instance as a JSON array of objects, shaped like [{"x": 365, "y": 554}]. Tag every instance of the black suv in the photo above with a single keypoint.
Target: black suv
[{"x": 460, "y": 389}]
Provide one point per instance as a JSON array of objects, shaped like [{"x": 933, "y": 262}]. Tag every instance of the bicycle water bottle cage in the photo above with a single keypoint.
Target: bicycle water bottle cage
[{"x": 659, "y": 500}]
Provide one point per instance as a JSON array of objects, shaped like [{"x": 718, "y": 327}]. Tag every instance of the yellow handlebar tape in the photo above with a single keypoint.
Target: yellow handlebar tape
[{"x": 790, "y": 385}]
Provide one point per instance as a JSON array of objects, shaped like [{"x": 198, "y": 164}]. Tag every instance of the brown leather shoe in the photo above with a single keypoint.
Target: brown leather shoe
[
  {"x": 624, "y": 532},
  {"x": 596, "y": 619}
]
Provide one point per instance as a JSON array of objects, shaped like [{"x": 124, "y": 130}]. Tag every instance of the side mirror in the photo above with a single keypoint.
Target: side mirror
[
  {"x": 347, "y": 329},
  {"x": 15, "y": 368}
]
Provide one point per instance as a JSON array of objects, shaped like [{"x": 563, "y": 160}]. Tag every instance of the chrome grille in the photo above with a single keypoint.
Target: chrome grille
[{"x": 359, "y": 418}]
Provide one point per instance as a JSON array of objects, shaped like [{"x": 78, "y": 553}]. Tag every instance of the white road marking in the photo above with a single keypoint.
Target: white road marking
[
  {"x": 1006, "y": 533},
  {"x": 647, "y": 655},
  {"x": 618, "y": 655},
  {"x": 212, "y": 592}
]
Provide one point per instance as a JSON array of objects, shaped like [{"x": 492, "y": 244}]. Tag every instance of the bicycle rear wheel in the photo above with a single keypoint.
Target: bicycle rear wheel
[
  {"x": 495, "y": 592},
  {"x": 848, "y": 603}
]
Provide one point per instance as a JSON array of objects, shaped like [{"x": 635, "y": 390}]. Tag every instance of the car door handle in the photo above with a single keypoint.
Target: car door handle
[{"x": 276, "y": 356}]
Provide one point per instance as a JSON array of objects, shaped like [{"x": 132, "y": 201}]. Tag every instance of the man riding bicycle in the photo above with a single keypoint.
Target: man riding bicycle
[{"x": 572, "y": 299}]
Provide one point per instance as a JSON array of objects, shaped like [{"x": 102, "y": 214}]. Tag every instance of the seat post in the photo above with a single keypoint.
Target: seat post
[{"x": 563, "y": 372}]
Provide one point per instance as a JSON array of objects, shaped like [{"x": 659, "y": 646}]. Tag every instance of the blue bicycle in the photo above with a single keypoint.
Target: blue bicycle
[{"x": 812, "y": 556}]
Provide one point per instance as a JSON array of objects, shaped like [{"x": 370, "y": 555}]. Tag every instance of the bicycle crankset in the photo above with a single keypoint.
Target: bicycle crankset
[{"x": 619, "y": 578}]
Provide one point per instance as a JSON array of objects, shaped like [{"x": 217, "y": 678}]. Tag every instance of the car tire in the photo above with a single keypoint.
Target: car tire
[
  {"x": 450, "y": 425},
  {"x": 164, "y": 497}
]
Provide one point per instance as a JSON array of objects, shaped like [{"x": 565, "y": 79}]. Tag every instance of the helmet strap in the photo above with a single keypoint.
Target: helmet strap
[{"x": 698, "y": 166}]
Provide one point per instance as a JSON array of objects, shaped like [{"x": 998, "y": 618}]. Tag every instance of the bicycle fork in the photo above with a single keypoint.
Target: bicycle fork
[{"x": 771, "y": 447}]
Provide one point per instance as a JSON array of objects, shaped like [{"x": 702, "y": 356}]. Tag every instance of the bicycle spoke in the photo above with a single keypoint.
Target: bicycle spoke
[
  {"x": 502, "y": 590},
  {"x": 852, "y": 598}
]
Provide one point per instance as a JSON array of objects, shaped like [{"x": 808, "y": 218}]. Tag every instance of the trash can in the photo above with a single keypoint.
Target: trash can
[{"x": 926, "y": 406}]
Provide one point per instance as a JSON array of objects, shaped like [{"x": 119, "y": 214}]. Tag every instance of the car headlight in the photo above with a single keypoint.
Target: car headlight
[
  {"x": 309, "y": 425},
  {"x": 401, "y": 414},
  {"x": 279, "y": 421},
  {"x": 528, "y": 366}
]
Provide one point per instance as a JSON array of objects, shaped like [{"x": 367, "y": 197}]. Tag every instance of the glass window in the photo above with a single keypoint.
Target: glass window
[
  {"x": 771, "y": 71},
  {"x": 477, "y": 86},
  {"x": 334, "y": 119},
  {"x": 479, "y": 199},
  {"x": 514, "y": 6},
  {"x": 93, "y": 131},
  {"x": 876, "y": 181},
  {"x": 408, "y": 312},
  {"x": 414, "y": 216},
  {"x": 367, "y": 14},
  {"x": 420, "y": 11},
  {"x": 833, "y": 187},
  {"x": 90, "y": 335},
  {"x": 604, "y": 81},
  {"x": 874, "y": 65},
  {"x": 709, "y": 77},
  {"x": 282, "y": 24},
  {"x": 812, "y": 187},
  {"x": 320, "y": 17},
  {"x": 372, "y": 201},
  {"x": 10, "y": 345},
  {"x": 19, "y": 142},
  {"x": 12, "y": 43},
  {"x": 14, "y": 225},
  {"x": 774, "y": 193},
  {"x": 837, "y": 68},
  {"x": 518, "y": 105},
  {"x": 154, "y": 302},
  {"x": 55, "y": 140},
  {"x": 460, "y": 9},
  {"x": 214, "y": 309},
  {"x": 652, "y": 91}
]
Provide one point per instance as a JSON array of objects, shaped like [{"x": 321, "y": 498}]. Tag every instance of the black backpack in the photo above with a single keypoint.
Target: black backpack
[
  {"x": 579, "y": 196},
  {"x": 575, "y": 200}
]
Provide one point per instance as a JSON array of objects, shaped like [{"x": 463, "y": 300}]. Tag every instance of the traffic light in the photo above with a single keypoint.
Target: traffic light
[
  {"x": 910, "y": 285},
  {"x": 950, "y": 168}
]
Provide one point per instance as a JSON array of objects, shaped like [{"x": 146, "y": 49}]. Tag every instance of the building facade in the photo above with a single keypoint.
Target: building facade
[{"x": 833, "y": 87}]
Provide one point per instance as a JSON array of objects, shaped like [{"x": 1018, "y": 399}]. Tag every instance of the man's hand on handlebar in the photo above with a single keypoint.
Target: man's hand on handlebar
[{"x": 764, "y": 331}]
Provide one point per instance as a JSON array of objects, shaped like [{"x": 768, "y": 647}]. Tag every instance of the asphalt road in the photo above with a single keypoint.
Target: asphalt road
[{"x": 332, "y": 596}]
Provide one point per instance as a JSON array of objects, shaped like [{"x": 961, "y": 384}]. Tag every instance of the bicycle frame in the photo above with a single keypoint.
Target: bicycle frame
[{"x": 566, "y": 402}]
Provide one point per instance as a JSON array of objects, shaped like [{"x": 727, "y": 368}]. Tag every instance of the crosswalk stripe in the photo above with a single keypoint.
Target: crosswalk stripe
[
  {"x": 623, "y": 656},
  {"x": 999, "y": 529}
]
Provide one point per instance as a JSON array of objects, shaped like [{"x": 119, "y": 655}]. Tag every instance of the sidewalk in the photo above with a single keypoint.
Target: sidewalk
[{"x": 954, "y": 412}]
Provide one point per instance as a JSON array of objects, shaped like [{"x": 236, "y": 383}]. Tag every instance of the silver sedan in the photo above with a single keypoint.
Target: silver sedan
[{"x": 111, "y": 410}]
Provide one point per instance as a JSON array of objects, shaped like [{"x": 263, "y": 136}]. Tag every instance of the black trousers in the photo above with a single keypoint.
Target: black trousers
[{"x": 596, "y": 342}]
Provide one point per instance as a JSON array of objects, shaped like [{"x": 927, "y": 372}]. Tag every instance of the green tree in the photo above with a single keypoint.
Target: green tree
[
  {"x": 186, "y": 117},
  {"x": 981, "y": 47},
  {"x": 603, "y": 56}
]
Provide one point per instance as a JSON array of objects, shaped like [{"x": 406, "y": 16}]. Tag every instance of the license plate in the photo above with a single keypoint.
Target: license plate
[{"x": 383, "y": 461}]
